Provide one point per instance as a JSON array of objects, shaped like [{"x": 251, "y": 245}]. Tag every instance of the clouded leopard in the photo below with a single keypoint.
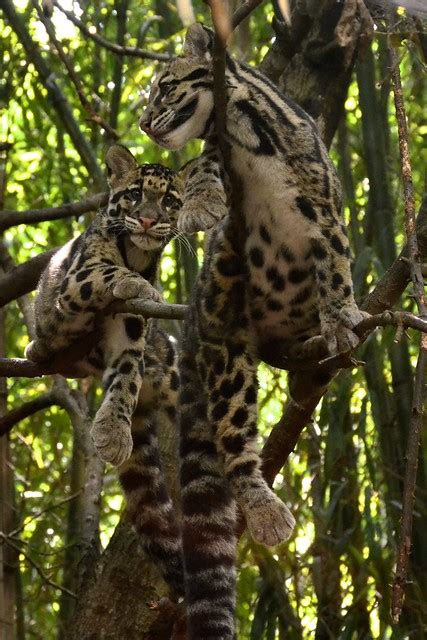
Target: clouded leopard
[
  {"x": 118, "y": 257},
  {"x": 289, "y": 281}
]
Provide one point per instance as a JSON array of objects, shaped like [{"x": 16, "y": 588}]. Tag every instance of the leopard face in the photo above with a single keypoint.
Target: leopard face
[
  {"x": 144, "y": 200},
  {"x": 181, "y": 99}
]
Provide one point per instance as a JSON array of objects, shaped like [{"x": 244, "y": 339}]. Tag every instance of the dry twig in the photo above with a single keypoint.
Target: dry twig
[
  {"x": 408, "y": 500},
  {"x": 34, "y": 564},
  {"x": 93, "y": 116},
  {"x": 133, "y": 52}
]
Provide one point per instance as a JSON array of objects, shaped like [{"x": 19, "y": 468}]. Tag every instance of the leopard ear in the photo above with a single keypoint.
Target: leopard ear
[
  {"x": 119, "y": 162},
  {"x": 198, "y": 42}
]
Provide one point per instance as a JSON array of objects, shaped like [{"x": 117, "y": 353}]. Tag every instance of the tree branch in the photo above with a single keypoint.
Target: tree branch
[
  {"x": 33, "y": 216},
  {"x": 243, "y": 11},
  {"x": 39, "y": 570},
  {"x": 8, "y": 421},
  {"x": 23, "y": 278},
  {"x": 133, "y": 52},
  {"x": 414, "y": 435},
  {"x": 66, "y": 362}
]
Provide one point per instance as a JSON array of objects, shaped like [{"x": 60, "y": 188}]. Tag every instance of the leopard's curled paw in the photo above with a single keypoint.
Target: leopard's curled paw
[
  {"x": 338, "y": 332},
  {"x": 112, "y": 439},
  {"x": 198, "y": 216},
  {"x": 135, "y": 287}
]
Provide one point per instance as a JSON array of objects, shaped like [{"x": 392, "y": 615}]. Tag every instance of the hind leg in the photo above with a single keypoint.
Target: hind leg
[
  {"x": 123, "y": 346},
  {"x": 233, "y": 411}
]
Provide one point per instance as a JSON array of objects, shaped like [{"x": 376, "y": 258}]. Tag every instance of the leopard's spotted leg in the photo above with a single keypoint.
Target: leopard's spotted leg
[
  {"x": 123, "y": 346},
  {"x": 205, "y": 198},
  {"x": 85, "y": 292},
  {"x": 338, "y": 310},
  {"x": 233, "y": 411}
]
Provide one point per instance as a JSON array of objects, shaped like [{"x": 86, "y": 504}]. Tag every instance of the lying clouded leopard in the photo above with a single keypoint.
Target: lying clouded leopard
[
  {"x": 289, "y": 282},
  {"x": 118, "y": 257}
]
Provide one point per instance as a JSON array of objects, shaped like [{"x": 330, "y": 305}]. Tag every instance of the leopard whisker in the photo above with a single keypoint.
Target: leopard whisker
[{"x": 183, "y": 241}]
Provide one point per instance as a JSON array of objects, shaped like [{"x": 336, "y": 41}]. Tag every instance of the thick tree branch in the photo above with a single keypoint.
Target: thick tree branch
[
  {"x": 33, "y": 216},
  {"x": 23, "y": 278},
  {"x": 243, "y": 12},
  {"x": 67, "y": 362},
  {"x": 284, "y": 435},
  {"x": 133, "y": 52}
]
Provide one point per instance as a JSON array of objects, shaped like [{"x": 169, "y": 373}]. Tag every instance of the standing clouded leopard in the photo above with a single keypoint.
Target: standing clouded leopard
[
  {"x": 290, "y": 281},
  {"x": 118, "y": 257}
]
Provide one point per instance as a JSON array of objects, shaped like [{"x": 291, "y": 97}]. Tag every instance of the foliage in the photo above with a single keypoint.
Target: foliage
[{"x": 344, "y": 481}]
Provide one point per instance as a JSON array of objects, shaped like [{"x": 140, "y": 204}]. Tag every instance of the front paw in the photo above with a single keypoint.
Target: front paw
[
  {"x": 36, "y": 351},
  {"x": 129, "y": 288},
  {"x": 338, "y": 331},
  {"x": 111, "y": 437},
  {"x": 200, "y": 217}
]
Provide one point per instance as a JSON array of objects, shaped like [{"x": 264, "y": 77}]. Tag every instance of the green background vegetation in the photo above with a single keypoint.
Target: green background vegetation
[{"x": 344, "y": 481}]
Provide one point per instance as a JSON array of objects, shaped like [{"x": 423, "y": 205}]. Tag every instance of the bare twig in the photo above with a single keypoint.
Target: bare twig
[
  {"x": 408, "y": 500},
  {"x": 33, "y": 216},
  {"x": 391, "y": 318},
  {"x": 244, "y": 10},
  {"x": 94, "y": 117},
  {"x": 55, "y": 95},
  {"x": 133, "y": 52},
  {"x": 34, "y": 564},
  {"x": 41, "y": 512}
]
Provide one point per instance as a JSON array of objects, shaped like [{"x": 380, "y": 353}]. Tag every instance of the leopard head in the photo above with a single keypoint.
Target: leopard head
[
  {"x": 181, "y": 103},
  {"x": 144, "y": 200}
]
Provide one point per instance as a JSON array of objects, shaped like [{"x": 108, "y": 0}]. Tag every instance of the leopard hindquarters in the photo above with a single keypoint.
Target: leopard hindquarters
[
  {"x": 123, "y": 351},
  {"x": 208, "y": 512}
]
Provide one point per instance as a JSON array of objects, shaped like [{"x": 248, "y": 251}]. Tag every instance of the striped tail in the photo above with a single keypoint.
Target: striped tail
[
  {"x": 149, "y": 506},
  {"x": 209, "y": 519}
]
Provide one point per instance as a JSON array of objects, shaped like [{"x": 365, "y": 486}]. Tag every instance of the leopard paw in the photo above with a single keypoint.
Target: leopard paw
[
  {"x": 338, "y": 332},
  {"x": 200, "y": 217},
  {"x": 36, "y": 351},
  {"x": 270, "y": 522},
  {"x": 111, "y": 437},
  {"x": 135, "y": 287}
]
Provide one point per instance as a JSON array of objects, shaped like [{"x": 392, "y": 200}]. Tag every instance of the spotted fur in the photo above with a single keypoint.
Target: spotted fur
[
  {"x": 288, "y": 280},
  {"x": 117, "y": 257}
]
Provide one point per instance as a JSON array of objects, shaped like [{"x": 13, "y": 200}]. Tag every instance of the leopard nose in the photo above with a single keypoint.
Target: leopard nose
[
  {"x": 146, "y": 223},
  {"x": 145, "y": 125}
]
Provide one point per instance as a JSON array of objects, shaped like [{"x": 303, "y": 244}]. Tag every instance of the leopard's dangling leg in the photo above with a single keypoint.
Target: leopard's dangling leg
[
  {"x": 233, "y": 411},
  {"x": 123, "y": 345}
]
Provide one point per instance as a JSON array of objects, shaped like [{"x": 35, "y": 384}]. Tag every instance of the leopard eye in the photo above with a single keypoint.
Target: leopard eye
[
  {"x": 169, "y": 200},
  {"x": 135, "y": 194}
]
